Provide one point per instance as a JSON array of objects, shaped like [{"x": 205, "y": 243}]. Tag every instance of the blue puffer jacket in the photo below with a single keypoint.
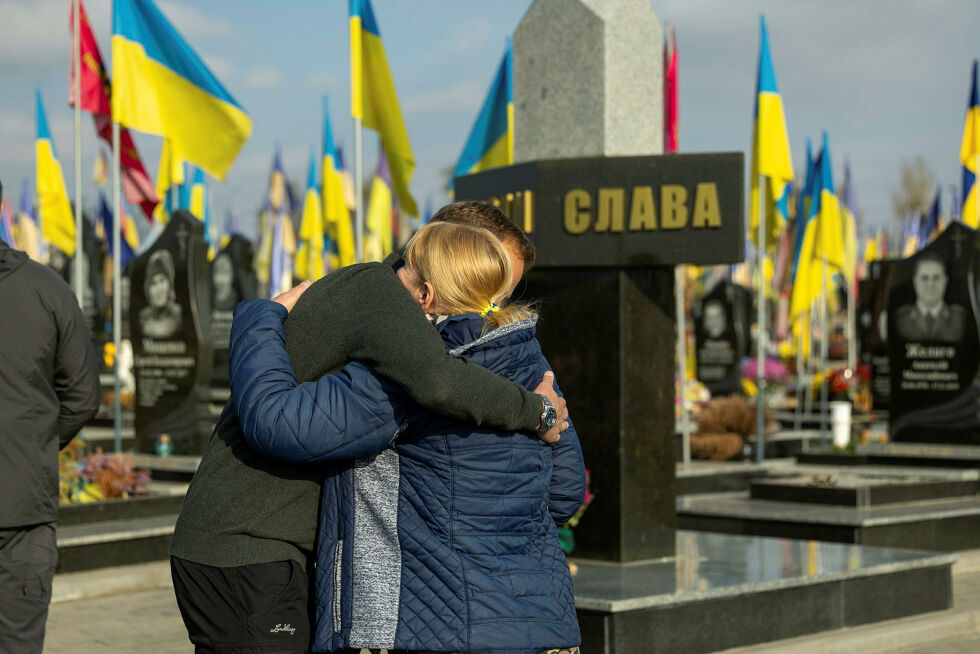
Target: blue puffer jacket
[{"x": 443, "y": 539}]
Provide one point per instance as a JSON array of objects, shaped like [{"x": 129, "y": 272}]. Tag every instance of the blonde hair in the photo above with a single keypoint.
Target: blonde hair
[{"x": 469, "y": 270}]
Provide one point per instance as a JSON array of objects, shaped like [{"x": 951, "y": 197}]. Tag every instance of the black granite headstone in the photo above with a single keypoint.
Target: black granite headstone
[
  {"x": 169, "y": 311},
  {"x": 608, "y": 231},
  {"x": 721, "y": 337},
  {"x": 232, "y": 280},
  {"x": 94, "y": 302},
  {"x": 933, "y": 343},
  {"x": 873, "y": 327}
]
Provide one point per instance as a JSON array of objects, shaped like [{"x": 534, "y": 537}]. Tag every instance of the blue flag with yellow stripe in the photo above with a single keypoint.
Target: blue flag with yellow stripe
[
  {"x": 374, "y": 100},
  {"x": 491, "y": 140},
  {"x": 770, "y": 141},
  {"x": 161, "y": 86},
  {"x": 969, "y": 155}
]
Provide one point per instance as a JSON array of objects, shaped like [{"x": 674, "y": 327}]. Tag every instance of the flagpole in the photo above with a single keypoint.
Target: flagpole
[
  {"x": 824, "y": 353},
  {"x": 682, "y": 362},
  {"x": 358, "y": 199},
  {"x": 800, "y": 376},
  {"x": 760, "y": 348},
  {"x": 852, "y": 321},
  {"x": 116, "y": 281},
  {"x": 77, "y": 91}
]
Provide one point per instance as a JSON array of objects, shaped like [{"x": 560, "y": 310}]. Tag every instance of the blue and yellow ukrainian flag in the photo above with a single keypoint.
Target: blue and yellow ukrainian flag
[
  {"x": 930, "y": 227},
  {"x": 170, "y": 177},
  {"x": 491, "y": 140},
  {"x": 374, "y": 100},
  {"x": 160, "y": 86},
  {"x": 309, "y": 255},
  {"x": 336, "y": 214},
  {"x": 378, "y": 238},
  {"x": 770, "y": 141},
  {"x": 969, "y": 153},
  {"x": 53, "y": 207},
  {"x": 823, "y": 238},
  {"x": 848, "y": 214},
  {"x": 200, "y": 207}
]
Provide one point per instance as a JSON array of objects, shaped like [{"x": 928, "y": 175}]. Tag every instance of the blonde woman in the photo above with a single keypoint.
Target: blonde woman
[{"x": 445, "y": 540}]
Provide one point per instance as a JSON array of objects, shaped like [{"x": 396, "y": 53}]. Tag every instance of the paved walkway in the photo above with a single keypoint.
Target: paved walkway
[{"x": 127, "y": 621}]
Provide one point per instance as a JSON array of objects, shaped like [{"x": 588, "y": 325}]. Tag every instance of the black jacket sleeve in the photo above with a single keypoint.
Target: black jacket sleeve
[
  {"x": 400, "y": 344},
  {"x": 76, "y": 371}
]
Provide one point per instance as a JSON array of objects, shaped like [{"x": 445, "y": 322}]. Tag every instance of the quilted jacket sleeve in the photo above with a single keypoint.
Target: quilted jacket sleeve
[
  {"x": 339, "y": 416},
  {"x": 568, "y": 470}
]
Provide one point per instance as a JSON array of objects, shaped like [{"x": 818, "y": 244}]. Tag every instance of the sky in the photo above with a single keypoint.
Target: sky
[{"x": 888, "y": 81}]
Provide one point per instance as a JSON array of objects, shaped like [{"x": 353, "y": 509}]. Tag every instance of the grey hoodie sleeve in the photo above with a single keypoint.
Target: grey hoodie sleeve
[{"x": 76, "y": 370}]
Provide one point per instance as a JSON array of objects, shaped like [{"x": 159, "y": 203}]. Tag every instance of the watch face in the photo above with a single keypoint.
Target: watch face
[{"x": 550, "y": 418}]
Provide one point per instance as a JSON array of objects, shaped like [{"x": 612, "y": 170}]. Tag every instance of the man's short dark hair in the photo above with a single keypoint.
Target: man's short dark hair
[
  {"x": 492, "y": 219},
  {"x": 929, "y": 257}
]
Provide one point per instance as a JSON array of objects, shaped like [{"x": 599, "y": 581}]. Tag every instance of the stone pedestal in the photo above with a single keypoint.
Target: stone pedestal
[
  {"x": 609, "y": 335},
  {"x": 588, "y": 80}
]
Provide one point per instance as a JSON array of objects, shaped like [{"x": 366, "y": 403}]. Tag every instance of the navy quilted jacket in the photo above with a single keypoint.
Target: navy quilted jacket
[{"x": 442, "y": 539}]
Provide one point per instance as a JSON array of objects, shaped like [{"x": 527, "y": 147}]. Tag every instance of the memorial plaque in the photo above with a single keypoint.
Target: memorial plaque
[
  {"x": 169, "y": 312},
  {"x": 232, "y": 280},
  {"x": 631, "y": 212},
  {"x": 721, "y": 338},
  {"x": 933, "y": 342}
]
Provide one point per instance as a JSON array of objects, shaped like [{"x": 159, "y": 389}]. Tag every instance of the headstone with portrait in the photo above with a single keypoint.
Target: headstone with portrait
[
  {"x": 169, "y": 312},
  {"x": 232, "y": 280},
  {"x": 933, "y": 344},
  {"x": 721, "y": 338}
]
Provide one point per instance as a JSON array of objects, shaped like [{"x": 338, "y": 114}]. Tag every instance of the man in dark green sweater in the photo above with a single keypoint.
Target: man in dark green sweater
[{"x": 246, "y": 530}]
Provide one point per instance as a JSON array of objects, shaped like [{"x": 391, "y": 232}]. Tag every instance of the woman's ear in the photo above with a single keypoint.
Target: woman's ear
[{"x": 426, "y": 296}]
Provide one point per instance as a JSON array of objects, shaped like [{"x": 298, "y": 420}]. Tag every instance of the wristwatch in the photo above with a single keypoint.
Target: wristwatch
[{"x": 549, "y": 416}]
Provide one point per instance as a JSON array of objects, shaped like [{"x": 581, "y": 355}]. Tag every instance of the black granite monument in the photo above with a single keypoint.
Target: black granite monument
[
  {"x": 873, "y": 331},
  {"x": 721, "y": 330},
  {"x": 933, "y": 344},
  {"x": 169, "y": 311},
  {"x": 94, "y": 302},
  {"x": 607, "y": 232},
  {"x": 232, "y": 280}
]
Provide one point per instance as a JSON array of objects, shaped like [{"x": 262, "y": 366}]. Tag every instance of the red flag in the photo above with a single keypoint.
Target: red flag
[
  {"x": 95, "y": 92},
  {"x": 670, "y": 91}
]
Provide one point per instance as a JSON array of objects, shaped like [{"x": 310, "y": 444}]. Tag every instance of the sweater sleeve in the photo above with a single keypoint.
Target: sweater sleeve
[
  {"x": 396, "y": 339},
  {"x": 337, "y": 417}
]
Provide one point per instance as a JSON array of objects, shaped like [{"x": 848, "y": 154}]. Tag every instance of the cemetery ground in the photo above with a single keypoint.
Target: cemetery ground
[{"x": 132, "y": 608}]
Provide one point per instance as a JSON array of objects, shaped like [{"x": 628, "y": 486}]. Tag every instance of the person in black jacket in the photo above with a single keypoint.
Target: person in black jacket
[{"x": 49, "y": 388}]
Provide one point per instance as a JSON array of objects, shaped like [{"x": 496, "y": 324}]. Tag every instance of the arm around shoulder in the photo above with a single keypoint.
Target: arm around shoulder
[{"x": 325, "y": 420}]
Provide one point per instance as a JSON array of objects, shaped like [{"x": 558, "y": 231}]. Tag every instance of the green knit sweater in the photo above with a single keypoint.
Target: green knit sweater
[{"x": 242, "y": 508}]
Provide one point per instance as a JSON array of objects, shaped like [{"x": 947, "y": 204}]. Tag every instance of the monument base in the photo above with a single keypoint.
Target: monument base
[
  {"x": 723, "y": 591},
  {"x": 883, "y": 506}
]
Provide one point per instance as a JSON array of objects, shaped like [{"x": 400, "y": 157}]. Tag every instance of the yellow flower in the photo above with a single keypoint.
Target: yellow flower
[{"x": 750, "y": 388}]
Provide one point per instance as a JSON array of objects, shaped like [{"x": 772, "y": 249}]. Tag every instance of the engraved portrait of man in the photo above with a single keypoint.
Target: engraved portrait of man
[{"x": 930, "y": 318}]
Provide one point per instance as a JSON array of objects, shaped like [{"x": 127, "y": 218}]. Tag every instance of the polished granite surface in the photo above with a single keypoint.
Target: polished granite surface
[
  {"x": 740, "y": 505},
  {"x": 710, "y": 565}
]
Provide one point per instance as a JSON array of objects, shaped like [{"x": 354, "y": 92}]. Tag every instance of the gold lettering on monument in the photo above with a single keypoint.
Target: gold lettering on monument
[{"x": 577, "y": 216}]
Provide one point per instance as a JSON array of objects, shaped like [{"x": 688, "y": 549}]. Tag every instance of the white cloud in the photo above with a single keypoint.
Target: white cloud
[
  {"x": 261, "y": 78},
  {"x": 194, "y": 24},
  {"x": 462, "y": 98},
  {"x": 323, "y": 80}
]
